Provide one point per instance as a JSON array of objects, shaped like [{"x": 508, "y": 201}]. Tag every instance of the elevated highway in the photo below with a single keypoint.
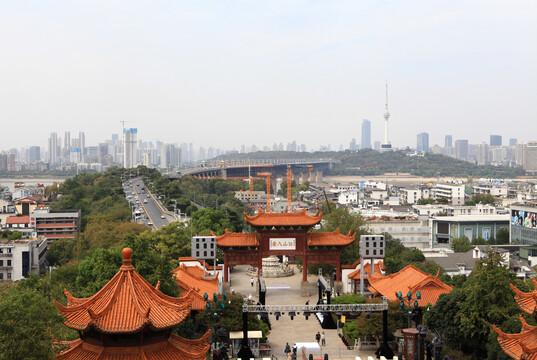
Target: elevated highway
[{"x": 302, "y": 171}]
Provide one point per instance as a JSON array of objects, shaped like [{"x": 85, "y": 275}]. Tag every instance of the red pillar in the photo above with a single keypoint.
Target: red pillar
[
  {"x": 226, "y": 277},
  {"x": 338, "y": 269},
  {"x": 305, "y": 267}
]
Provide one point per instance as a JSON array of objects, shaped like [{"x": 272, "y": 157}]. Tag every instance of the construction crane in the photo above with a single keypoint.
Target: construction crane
[
  {"x": 289, "y": 178},
  {"x": 268, "y": 175},
  {"x": 289, "y": 174}
]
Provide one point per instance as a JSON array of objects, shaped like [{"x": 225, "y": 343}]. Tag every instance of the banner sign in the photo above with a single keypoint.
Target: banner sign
[
  {"x": 282, "y": 244},
  {"x": 524, "y": 219}
]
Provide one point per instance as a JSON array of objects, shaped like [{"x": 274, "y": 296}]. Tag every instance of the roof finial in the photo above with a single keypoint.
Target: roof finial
[{"x": 127, "y": 253}]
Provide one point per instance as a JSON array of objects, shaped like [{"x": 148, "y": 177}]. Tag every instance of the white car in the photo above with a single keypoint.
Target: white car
[{"x": 162, "y": 217}]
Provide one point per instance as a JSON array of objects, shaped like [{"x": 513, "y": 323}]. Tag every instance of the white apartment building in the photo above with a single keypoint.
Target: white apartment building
[
  {"x": 413, "y": 231},
  {"x": 454, "y": 193},
  {"x": 349, "y": 197},
  {"x": 494, "y": 190},
  {"x": 19, "y": 258}
]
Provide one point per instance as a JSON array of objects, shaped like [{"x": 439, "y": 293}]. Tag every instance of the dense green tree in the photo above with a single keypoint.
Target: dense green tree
[
  {"x": 27, "y": 325},
  {"x": 502, "y": 237},
  {"x": 346, "y": 222},
  {"x": 461, "y": 245}
]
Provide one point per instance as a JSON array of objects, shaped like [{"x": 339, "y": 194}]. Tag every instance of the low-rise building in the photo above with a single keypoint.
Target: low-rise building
[
  {"x": 20, "y": 258},
  {"x": 53, "y": 225},
  {"x": 452, "y": 192},
  {"x": 412, "y": 230},
  {"x": 446, "y": 228}
]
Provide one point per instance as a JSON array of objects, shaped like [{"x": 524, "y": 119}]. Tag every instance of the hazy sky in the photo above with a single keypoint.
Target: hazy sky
[{"x": 224, "y": 73}]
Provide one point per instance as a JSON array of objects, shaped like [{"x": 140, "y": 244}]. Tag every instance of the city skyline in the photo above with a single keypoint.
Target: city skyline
[{"x": 209, "y": 73}]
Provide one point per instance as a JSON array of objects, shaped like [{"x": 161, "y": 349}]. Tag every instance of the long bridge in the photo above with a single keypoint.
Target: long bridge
[{"x": 301, "y": 171}]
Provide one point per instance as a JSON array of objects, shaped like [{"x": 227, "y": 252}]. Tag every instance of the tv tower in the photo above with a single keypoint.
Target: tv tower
[{"x": 386, "y": 146}]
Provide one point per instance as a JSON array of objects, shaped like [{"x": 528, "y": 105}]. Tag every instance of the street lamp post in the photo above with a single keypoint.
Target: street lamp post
[{"x": 409, "y": 309}]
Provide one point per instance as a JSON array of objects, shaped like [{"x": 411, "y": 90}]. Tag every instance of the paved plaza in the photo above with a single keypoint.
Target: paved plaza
[{"x": 284, "y": 291}]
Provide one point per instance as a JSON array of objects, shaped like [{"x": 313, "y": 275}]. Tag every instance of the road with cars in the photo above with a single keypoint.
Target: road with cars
[{"x": 146, "y": 208}]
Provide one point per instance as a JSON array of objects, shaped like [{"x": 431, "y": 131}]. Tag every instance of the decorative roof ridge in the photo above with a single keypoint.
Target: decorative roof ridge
[
  {"x": 296, "y": 214},
  {"x": 197, "y": 268},
  {"x": 111, "y": 300},
  {"x": 517, "y": 292},
  {"x": 77, "y": 343},
  {"x": 80, "y": 303},
  {"x": 428, "y": 279},
  {"x": 201, "y": 340},
  {"x": 161, "y": 297},
  {"x": 137, "y": 305},
  {"x": 525, "y": 326},
  {"x": 514, "y": 336}
]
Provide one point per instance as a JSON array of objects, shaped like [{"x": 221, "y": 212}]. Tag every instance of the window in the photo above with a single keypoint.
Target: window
[
  {"x": 9, "y": 276},
  {"x": 9, "y": 263},
  {"x": 1, "y": 276}
]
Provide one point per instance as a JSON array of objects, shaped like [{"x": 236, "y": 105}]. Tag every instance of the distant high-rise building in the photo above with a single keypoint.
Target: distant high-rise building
[
  {"x": 130, "y": 148},
  {"x": 461, "y": 149},
  {"x": 170, "y": 156},
  {"x": 67, "y": 141},
  {"x": 530, "y": 156},
  {"x": 495, "y": 140},
  {"x": 34, "y": 154},
  {"x": 352, "y": 145},
  {"x": 483, "y": 154},
  {"x": 448, "y": 141},
  {"x": 376, "y": 145},
  {"x": 366, "y": 134},
  {"x": 423, "y": 142},
  {"x": 512, "y": 142},
  {"x": 83, "y": 151},
  {"x": 53, "y": 148}
]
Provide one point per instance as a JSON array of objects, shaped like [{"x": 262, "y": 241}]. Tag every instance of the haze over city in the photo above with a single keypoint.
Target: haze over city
[{"x": 226, "y": 73}]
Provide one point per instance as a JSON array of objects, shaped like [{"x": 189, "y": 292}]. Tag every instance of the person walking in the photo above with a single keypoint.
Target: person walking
[
  {"x": 323, "y": 339},
  {"x": 287, "y": 349},
  {"x": 318, "y": 337},
  {"x": 252, "y": 282}
]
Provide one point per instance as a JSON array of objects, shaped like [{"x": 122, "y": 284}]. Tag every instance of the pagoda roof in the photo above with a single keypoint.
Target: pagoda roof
[
  {"x": 334, "y": 238},
  {"x": 379, "y": 269},
  {"x": 126, "y": 304},
  {"x": 236, "y": 239},
  {"x": 412, "y": 279},
  {"x": 519, "y": 346},
  {"x": 175, "y": 347},
  {"x": 527, "y": 302},
  {"x": 191, "y": 277},
  {"x": 283, "y": 219}
]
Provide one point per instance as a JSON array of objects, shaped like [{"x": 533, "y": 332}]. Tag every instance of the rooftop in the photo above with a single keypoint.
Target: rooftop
[{"x": 283, "y": 219}]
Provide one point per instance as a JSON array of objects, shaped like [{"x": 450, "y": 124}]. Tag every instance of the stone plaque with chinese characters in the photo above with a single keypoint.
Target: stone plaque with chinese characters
[{"x": 282, "y": 244}]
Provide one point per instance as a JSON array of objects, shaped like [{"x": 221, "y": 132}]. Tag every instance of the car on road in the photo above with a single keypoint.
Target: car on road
[
  {"x": 148, "y": 196},
  {"x": 149, "y": 223},
  {"x": 145, "y": 201},
  {"x": 162, "y": 217}
]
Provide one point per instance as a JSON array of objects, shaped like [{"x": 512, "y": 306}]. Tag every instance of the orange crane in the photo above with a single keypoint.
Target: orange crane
[
  {"x": 289, "y": 174},
  {"x": 268, "y": 175}
]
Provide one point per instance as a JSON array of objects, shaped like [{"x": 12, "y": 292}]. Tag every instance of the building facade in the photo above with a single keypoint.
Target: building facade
[
  {"x": 523, "y": 224},
  {"x": 422, "y": 142},
  {"x": 20, "y": 258},
  {"x": 130, "y": 148}
]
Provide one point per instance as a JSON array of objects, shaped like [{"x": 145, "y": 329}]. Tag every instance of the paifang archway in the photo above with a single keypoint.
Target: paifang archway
[{"x": 284, "y": 234}]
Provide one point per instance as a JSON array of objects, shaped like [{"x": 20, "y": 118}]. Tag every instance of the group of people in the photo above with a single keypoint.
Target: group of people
[
  {"x": 290, "y": 353},
  {"x": 320, "y": 338}
]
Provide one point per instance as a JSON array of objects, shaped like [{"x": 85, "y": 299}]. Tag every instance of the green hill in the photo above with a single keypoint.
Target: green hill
[{"x": 372, "y": 162}]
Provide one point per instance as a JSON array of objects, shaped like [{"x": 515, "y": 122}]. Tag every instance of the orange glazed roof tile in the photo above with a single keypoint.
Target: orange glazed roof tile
[
  {"x": 236, "y": 239},
  {"x": 175, "y": 348},
  {"x": 191, "y": 277},
  {"x": 379, "y": 269},
  {"x": 521, "y": 344},
  {"x": 333, "y": 238},
  {"x": 207, "y": 266},
  {"x": 25, "y": 219},
  {"x": 412, "y": 279},
  {"x": 125, "y": 305},
  {"x": 283, "y": 219},
  {"x": 527, "y": 302}
]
